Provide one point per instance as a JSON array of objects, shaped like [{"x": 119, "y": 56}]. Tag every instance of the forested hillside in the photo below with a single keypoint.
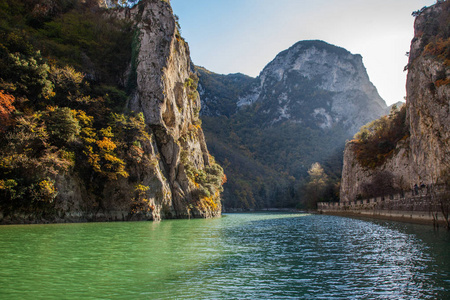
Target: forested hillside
[
  {"x": 76, "y": 136},
  {"x": 278, "y": 133}
]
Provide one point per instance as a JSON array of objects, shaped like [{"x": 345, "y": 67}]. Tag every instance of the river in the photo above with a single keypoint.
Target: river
[{"x": 238, "y": 256}]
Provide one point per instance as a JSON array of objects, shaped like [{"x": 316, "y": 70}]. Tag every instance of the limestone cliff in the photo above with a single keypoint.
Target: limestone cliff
[
  {"x": 166, "y": 93},
  {"x": 423, "y": 158},
  {"x": 320, "y": 83},
  {"x": 167, "y": 172}
]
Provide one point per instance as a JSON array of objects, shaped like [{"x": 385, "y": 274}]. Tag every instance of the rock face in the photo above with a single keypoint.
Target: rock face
[
  {"x": 394, "y": 175},
  {"x": 315, "y": 83},
  {"x": 424, "y": 157},
  {"x": 165, "y": 92},
  {"x": 428, "y": 100},
  {"x": 320, "y": 82}
]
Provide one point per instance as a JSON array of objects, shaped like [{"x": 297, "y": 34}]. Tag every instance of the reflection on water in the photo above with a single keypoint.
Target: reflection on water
[{"x": 245, "y": 256}]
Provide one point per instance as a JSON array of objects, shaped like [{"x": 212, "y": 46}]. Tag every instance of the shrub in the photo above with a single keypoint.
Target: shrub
[
  {"x": 61, "y": 124},
  {"x": 208, "y": 182},
  {"x": 6, "y": 109},
  {"x": 44, "y": 191},
  {"x": 29, "y": 74}
]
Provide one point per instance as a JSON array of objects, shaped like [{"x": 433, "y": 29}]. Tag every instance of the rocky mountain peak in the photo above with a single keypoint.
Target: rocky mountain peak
[
  {"x": 317, "y": 83},
  {"x": 316, "y": 58}
]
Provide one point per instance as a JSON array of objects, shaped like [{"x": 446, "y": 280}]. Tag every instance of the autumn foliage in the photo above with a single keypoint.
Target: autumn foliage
[
  {"x": 6, "y": 109},
  {"x": 376, "y": 141},
  {"x": 62, "y": 102}
]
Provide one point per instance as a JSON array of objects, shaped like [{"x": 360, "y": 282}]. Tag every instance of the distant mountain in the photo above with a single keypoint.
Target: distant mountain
[
  {"x": 300, "y": 110},
  {"x": 312, "y": 82},
  {"x": 220, "y": 92}
]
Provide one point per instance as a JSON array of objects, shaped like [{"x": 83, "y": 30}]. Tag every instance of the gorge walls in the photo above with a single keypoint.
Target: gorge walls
[
  {"x": 422, "y": 157},
  {"x": 143, "y": 157}
]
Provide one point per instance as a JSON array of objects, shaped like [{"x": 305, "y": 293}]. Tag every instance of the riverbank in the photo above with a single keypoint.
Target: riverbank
[
  {"x": 412, "y": 217},
  {"x": 420, "y": 207}
]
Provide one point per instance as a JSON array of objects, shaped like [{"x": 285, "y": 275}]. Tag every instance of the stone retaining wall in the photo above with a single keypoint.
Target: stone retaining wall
[{"x": 414, "y": 206}]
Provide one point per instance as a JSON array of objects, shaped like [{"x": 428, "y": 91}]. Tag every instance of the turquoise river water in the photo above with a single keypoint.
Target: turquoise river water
[{"x": 238, "y": 256}]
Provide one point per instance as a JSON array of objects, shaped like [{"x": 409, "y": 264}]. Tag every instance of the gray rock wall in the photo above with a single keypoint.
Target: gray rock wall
[
  {"x": 338, "y": 89},
  {"x": 170, "y": 108},
  {"x": 425, "y": 155}
]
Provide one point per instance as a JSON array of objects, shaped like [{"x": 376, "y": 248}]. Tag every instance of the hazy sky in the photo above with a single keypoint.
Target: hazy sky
[{"x": 231, "y": 36}]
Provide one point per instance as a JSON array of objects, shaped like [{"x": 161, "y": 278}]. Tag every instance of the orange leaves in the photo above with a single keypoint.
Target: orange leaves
[
  {"x": 6, "y": 108},
  {"x": 441, "y": 82},
  {"x": 106, "y": 144},
  {"x": 440, "y": 48},
  {"x": 224, "y": 179}
]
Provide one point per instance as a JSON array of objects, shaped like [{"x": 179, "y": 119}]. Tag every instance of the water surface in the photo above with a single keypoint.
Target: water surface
[{"x": 239, "y": 256}]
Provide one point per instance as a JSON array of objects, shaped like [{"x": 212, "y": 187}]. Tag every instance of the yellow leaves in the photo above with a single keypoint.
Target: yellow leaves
[
  {"x": 7, "y": 184},
  {"x": 113, "y": 159},
  {"x": 141, "y": 204},
  {"x": 107, "y": 132},
  {"x": 47, "y": 189},
  {"x": 66, "y": 75},
  {"x": 51, "y": 108},
  {"x": 100, "y": 152},
  {"x": 106, "y": 144},
  {"x": 68, "y": 156},
  {"x": 212, "y": 201},
  {"x": 113, "y": 167},
  {"x": 83, "y": 118},
  {"x": 44, "y": 191},
  {"x": 48, "y": 94},
  {"x": 140, "y": 188},
  {"x": 94, "y": 160}
]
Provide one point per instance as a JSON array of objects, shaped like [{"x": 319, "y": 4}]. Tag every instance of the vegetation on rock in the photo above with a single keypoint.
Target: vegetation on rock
[
  {"x": 376, "y": 141},
  {"x": 68, "y": 73},
  {"x": 62, "y": 102},
  {"x": 268, "y": 166}
]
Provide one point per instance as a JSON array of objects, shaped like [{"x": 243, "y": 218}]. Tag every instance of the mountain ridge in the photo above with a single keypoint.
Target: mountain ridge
[{"x": 322, "y": 65}]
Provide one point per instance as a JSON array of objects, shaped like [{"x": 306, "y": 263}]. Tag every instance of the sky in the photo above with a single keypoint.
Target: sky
[{"x": 243, "y": 36}]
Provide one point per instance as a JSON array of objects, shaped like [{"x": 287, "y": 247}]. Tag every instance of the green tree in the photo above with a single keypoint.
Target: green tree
[{"x": 62, "y": 126}]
